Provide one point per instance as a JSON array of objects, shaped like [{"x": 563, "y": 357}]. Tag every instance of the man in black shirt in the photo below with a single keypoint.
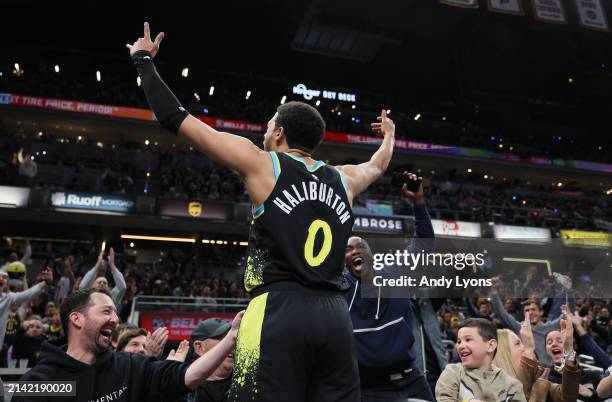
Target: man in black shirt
[
  {"x": 89, "y": 318},
  {"x": 203, "y": 339},
  {"x": 28, "y": 340}
]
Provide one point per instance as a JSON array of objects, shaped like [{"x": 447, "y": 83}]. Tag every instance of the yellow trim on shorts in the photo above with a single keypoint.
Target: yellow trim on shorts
[{"x": 248, "y": 344}]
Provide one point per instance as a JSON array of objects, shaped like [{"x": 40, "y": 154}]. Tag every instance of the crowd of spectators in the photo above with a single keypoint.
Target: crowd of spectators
[
  {"x": 538, "y": 304},
  {"x": 206, "y": 276},
  {"x": 132, "y": 169},
  {"x": 510, "y": 202},
  {"x": 202, "y": 279},
  {"x": 514, "y": 298}
]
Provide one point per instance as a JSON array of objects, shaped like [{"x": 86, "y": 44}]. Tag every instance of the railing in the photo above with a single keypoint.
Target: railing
[
  {"x": 174, "y": 303},
  {"x": 587, "y": 362}
]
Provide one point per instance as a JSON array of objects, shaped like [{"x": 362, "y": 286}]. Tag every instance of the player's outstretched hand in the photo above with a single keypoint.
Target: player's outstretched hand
[
  {"x": 384, "y": 125},
  {"x": 145, "y": 43}
]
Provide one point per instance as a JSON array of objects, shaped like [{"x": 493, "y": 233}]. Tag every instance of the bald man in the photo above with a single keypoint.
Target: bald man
[{"x": 383, "y": 327}]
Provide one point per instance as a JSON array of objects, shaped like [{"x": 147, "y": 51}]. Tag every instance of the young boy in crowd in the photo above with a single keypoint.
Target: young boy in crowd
[{"x": 475, "y": 379}]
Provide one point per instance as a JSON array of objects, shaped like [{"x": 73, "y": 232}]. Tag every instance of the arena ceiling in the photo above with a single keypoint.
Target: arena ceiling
[{"x": 414, "y": 52}]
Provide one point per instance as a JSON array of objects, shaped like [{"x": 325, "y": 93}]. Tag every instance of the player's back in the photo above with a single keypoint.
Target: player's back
[{"x": 299, "y": 233}]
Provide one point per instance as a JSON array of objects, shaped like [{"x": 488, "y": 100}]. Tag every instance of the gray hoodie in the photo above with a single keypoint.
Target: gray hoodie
[
  {"x": 457, "y": 384},
  {"x": 116, "y": 293},
  {"x": 539, "y": 331},
  {"x": 11, "y": 299}
]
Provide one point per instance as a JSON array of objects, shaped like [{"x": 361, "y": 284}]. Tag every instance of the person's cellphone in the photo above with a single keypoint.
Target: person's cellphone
[{"x": 398, "y": 180}]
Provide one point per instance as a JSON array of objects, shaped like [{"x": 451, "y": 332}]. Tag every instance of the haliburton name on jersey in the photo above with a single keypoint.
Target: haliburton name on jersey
[{"x": 313, "y": 191}]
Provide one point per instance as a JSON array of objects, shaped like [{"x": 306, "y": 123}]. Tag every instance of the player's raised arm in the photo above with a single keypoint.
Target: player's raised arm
[
  {"x": 360, "y": 176},
  {"x": 232, "y": 151}
]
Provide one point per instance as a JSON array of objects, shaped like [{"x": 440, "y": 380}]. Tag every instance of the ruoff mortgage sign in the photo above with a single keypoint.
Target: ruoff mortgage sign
[{"x": 96, "y": 202}]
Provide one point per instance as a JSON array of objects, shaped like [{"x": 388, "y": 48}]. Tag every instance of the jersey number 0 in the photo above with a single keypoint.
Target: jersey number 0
[{"x": 315, "y": 226}]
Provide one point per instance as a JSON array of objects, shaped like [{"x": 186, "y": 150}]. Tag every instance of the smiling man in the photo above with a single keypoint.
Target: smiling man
[
  {"x": 532, "y": 310},
  {"x": 203, "y": 339},
  {"x": 133, "y": 341},
  {"x": 100, "y": 374},
  {"x": 383, "y": 326},
  {"x": 10, "y": 300}
]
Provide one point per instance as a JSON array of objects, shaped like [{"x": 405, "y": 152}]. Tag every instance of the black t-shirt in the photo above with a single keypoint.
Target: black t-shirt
[
  {"x": 115, "y": 376},
  {"x": 214, "y": 391},
  {"x": 13, "y": 323}
]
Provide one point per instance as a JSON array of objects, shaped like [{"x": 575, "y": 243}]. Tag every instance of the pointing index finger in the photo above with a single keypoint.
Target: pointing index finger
[{"x": 147, "y": 31}]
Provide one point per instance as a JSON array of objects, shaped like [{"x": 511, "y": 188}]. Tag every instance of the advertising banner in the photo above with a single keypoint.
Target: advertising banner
[
  {"x": 591, "y": 15},
  {"x": 233, "y": 125},
  {"x": 118, "y": 111},
  {"x": 586, "y": 239},
  {"x": 95, "y": 202},
  {"x": 456, "y": 228},
  {"x": 514, "y": 7},
  {"x": 520, "y": 234},
  {"x": 180, "y": 324},
  {"x": 309, "y": 94},
  {"x": 14, "y": 196},
  {"x": 194, "y": 209},
  {"x": 76, "y": 107},
  {"x": 379, "y": 224},
  {"x": 461, "y": 3},
  {"x": 549, "y": 11}
]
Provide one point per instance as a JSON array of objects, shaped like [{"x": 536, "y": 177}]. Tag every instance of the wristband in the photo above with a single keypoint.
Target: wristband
[{"x": 568, "y": 357}]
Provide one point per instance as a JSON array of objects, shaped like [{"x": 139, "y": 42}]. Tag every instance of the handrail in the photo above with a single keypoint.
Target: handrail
[
  {"x": 162, "y": 304},
  {"x": 188, "y": 297},
  {"x": 148, "y": 302},
  {"x": 591, "y": 367},
  {"x": 13, "y": 371}
]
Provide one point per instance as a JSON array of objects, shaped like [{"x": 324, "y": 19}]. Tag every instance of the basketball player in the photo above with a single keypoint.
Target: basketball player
[{"x": 295, "y": 342}]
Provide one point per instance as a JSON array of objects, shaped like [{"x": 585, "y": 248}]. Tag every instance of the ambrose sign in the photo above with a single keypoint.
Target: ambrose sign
[{"x": 379, "y": 224}]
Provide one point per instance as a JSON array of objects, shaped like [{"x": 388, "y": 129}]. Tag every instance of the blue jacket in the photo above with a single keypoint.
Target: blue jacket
[{"x": 383, "y": 326}]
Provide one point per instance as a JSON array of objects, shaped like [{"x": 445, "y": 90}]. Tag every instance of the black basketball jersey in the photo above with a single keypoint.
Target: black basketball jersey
[{"x": 300, "y": 232}]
